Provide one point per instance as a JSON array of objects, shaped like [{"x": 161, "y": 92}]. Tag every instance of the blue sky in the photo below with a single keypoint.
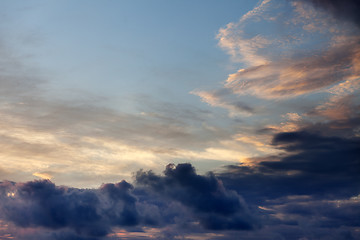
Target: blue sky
[
  {"x": 120, "y": 47},
  {"x": 128, "y": 58},
  {"x": 179, "y": 119}
]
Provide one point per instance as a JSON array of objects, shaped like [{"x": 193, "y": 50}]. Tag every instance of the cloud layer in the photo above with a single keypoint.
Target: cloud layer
[
  {"x": 93, "y": 213},
  {"x": 312, "y": 190},
  {"x": 290, "y": 143}
]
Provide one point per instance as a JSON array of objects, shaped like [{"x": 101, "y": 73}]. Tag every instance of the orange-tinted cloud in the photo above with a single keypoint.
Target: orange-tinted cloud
[
  {"x": 298, "y": 76},
  {"x": 303, "y": 52}
]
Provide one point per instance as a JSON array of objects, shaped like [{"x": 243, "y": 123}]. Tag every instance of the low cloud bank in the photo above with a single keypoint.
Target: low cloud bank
[{"x": 157, "y": 201}]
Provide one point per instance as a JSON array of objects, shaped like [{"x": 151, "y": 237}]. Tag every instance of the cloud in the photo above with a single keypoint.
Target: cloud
[
  {"x": 81, "y": 213},
  {"x": 43, "y": 175},
  {"x": 302, "y": 66},
  {"x": 178, "y": 199},
  {"x": 51, "y": 133},
  {"x": 320, "y": 160},
  {"x": 307, "y": 186},
  {"x": 298, "y": 76},
  {"x": 312, "y": 184},
  {"x": 302, "y": 53},
  {"x": 41, "y": 203},
  {"x": 275, "y": 198},
  {"x": 317, "y": 154},
  {"x": 310, "y": 164},
  {"x": 338, "y": 108},
  {"x": 220, "y": 99},
  {"x": 45, "y": 134},
  {"x": 216, "y": 208},
  {"x": 345, "y": 10}
]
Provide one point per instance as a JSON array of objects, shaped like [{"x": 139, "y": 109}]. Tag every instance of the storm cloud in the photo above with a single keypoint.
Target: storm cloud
[
  {"x": 215, "y": 207},
  {"x": 87, "y": 212},
  {"x": 156, "y": 201},
  {"x": 316, "y": 181},
  {"x": 315, "y": 160}
]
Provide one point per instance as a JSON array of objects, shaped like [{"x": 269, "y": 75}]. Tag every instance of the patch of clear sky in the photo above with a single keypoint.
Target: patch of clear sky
[{"x": 121, "y": 48}]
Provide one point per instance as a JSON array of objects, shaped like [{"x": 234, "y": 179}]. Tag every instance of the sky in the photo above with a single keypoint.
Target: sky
[{"x": 179, "y": 119}]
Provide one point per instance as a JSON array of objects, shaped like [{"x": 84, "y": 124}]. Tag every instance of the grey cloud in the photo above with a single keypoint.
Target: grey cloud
[
  {"x": 69, "y": 213},
  {"x": 41, "y": 203},
  {"x": 312, "y": 164},
  {"x": 346, "y": 10},
  {"x": 215, "y": 207},
  {"x": 177, "y": 200},
  {"x": 310, "y": 189}
]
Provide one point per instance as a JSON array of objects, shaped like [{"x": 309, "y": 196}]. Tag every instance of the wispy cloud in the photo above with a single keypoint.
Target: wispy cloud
[
  {"x": 293, "y": 69},
  {"x": 218, "y": 99},
  {"x": 304, "y": 62},
  {"x": 45, "y": 134},
  {"x": 298, "y": 76}
]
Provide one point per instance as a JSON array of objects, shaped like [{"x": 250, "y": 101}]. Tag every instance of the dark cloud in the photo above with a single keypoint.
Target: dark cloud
[
  {"x": 343, "y": 9},
  {"x": 175, "y": 203},
  {"x": 317, "y": 154},
  {"x": 314, "y": 183},
  {"x": 179, "y": 199},
  {"x": 213, "y": 205},
  {"x": 312, "y": 164},
  {"x": 89, "y": 213},
  {"x": 334, "y": 213},
  {"x": 120, "y": 198}
]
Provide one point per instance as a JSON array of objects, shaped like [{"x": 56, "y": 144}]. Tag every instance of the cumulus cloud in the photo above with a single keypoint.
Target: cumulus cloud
[
  {"x": 180, "y": 198},
  {"x": 88, "y": 213},
  {"x": 217, "y": 207},
  {"x": 313, "y": 181}
]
